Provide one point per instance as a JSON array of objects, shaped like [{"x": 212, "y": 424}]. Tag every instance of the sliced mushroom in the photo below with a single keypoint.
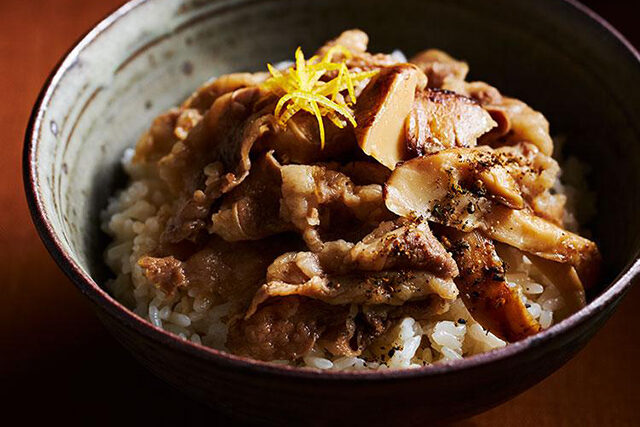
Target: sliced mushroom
[
  {"x": 502, "y": 187},
  {"x": 537, "y": 236},
  {"x": 455, "y": 178},
  {"x": 442, "y": 119},
  {"x": 495, "y": 304},
  {"x": 516, "y": 120},
  {"x": 453, "y": 188},
  {"x": 565, "y": 278},
  {"x": 381, "y": 111}
]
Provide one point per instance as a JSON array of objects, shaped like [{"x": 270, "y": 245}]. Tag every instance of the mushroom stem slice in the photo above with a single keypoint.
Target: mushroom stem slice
[
  {"x": 455, "y": 185},
  {"x": 565, "y": 278},
  {"x": 537, "y": 236},
  {"x": 440, "y": 188},
  {"x": 502, "y": 187},
  {"x": 381, "y": 111}
]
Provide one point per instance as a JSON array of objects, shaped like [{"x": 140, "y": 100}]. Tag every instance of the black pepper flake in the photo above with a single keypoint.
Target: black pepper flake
[
  {"x": 527, "y": 305},
  {"x": 437, "y": 211},
  {"x": 187, "y": 68},
  {"x": 462, "y": 321}
]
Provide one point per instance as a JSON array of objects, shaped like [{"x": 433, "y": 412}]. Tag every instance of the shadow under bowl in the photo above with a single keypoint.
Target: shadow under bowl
[{"x": 149, "y": 55}]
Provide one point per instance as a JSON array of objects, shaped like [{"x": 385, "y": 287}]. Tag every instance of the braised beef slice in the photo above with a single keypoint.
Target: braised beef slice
[
  {"x": 251, "y": 211},
  {"x": 227, "y": 271},
  {"x": 222, "y": 141}
]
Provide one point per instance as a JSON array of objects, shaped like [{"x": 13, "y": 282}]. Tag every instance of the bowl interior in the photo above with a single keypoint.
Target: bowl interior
[{"x": 155, "y": 53}]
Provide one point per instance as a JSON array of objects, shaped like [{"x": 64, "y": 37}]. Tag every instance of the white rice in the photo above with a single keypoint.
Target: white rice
[{"x": 132, "y": 219}]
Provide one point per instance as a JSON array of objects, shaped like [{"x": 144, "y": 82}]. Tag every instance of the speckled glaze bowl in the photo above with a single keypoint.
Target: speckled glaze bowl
[{"x": 149, "y": 55}]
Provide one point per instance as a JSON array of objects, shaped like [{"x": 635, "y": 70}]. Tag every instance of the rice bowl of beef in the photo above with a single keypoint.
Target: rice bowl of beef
[{"x": 394, "y": 227}]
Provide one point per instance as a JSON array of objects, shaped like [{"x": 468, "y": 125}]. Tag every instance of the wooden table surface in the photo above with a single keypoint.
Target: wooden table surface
[{"x": 58, "y": 363}]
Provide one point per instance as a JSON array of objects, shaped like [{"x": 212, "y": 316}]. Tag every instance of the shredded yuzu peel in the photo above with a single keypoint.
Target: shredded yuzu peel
[{"x": 300, "y": 88}]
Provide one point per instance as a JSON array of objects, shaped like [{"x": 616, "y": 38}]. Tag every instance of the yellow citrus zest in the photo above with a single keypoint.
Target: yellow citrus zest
[{"x": 302, "y": 88}]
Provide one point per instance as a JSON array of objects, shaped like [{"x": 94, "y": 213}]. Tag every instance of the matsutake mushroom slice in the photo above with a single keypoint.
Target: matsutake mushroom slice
[
  {"x": 455, "y": 186},
  {"x": 495, "y": 304},
  {"x": 565, "y": 278},
  {"x": 452, "y": 188},
  {"x": 381, "y": 111},
  {"x": 537, "y": 236},
  {"x": 443, "y": 119}
]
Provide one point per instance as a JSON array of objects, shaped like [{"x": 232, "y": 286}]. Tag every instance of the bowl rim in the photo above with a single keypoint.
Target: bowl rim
[{"x": 129, "y": 319}]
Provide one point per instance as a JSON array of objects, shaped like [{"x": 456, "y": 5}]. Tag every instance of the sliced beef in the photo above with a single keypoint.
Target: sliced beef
[
  {"x": 284, "y": 330},
  {"x": 287, "y": 328},
  {"x": 371, "y": 288},
  {"x": 202, "y": 99},
  {"x": 166, "y": 273},
  {"x": 299, "y": 141},
  {"x": 365, "y": 172},
  {"x": 403, "y": 244},
  {"x": 440, "y": 67},
  {"x": 212, "y": 160},
  {"x": 227, "y": 271},
  {"x": 518, "y": 123},
  {"x": 251, "y": 211},
  {"x": 174, "y": 125},
  {"x": 356, "y": 41},
  {"x": 398, "y": 262},
  {"x": 316, "y": 198},
  {"x": 158, "y": 140}
]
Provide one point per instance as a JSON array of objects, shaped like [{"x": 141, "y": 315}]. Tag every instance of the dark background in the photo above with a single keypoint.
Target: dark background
[{"x": 57, "y": 363}]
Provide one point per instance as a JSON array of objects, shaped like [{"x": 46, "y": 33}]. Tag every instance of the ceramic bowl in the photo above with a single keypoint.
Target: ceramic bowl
[{"x": 149, "y": 55}]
